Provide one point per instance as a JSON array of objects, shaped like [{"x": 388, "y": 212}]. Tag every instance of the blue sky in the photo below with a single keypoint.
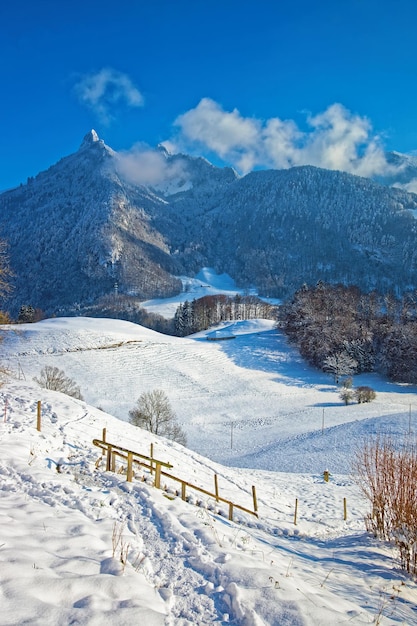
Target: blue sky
[{"x": 250, "y": 84}]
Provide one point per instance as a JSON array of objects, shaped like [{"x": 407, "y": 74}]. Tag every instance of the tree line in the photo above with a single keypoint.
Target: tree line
[
  {"x": 338, "y": 325},
  {"x": 192, "y": 317}
]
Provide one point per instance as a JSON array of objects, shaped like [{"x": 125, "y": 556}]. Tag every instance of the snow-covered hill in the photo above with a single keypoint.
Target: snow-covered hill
[
  {"x": 187, "y": 564},
  {"x": 256, "y": 386}
]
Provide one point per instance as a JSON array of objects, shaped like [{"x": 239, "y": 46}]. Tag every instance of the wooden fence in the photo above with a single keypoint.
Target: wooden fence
[{"x": 158, "y": 468}]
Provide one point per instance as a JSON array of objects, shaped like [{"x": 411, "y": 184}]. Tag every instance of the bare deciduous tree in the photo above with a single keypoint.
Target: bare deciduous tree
[
  {"x": 53, "y": 378},
  {"x": 347, "y": 395},
  {"x": 153, "y": 412},
  {"x": 339, "y": 364},
  {"x": 5, "y": 271},
  {"x": 5, "y": 278}
]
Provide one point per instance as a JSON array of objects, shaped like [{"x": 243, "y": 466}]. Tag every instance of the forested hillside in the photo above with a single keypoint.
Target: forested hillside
[
  {"x": 338, "y": 326},
  {"x": 283, "y": 228}
]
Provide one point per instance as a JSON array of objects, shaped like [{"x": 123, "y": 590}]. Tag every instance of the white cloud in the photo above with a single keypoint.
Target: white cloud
[
  {"x": 142, "y": 165},
  {"x": 281, "y": 141},
  {"x": 337, "y": 139},
  {"x": 411, "y": 187},
  {"x": 231, "y": 136},
  {"x": 344, "y": 141},
  {"x": 105, "y": 89}
]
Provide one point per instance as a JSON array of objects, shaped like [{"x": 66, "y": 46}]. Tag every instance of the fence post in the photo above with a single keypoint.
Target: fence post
[
  {"x": 38, "y": 421},
  {"x": 183, "y": 486},
  {"x": 151, "y": 459},
  {"x": 344, "y": 509},
  {"x": 103, "y": 438},
  {"x": 109, "y": 458},
  {"x": 158, "y": 476},
  {"x": 129, "y": 475},
  {"x": 231, "y": 511},
  {"x": 255, "y": 501},
  {"x": 216, "y": 487},
  {"x": 295, "y": 512}
]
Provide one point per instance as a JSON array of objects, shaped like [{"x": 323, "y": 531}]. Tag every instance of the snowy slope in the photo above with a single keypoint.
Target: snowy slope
[
  {"x": 188, "y": 564},
  {"x": 184, "y": 564},
  {"x": 254, "y": 389}
]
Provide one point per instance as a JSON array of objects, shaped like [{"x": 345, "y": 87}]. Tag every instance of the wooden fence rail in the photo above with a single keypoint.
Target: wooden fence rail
[{"x": 155, "y": 465}]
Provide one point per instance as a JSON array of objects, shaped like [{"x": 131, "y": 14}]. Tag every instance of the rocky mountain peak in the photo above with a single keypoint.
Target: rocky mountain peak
[{"x": 89, "y": 139}]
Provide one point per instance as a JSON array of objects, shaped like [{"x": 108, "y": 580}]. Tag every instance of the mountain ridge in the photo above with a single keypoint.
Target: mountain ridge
[{"x": 91, "y": 225}]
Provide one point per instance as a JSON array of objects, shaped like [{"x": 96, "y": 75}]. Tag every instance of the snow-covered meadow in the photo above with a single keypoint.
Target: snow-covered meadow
[{"x": 255, "y": 415}]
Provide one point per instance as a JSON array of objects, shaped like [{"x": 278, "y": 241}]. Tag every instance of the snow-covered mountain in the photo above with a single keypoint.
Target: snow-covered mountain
[
  {"x": 404, "y": 171},
  {"x": 100, "y": 220}
]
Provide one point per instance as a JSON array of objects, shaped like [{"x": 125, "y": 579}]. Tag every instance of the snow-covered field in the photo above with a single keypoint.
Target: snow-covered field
[{"x": 255, "y": 415}]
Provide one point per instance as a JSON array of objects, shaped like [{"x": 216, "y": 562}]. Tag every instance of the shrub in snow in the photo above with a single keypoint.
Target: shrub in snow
[
  {"x": 387, "y": 476},
  {"x": 5, "y": 318},
  {"x": 56, "y": 379},
  {"x": 365, "y": 394},
  {"x": 26, "y": 314},
  {"x": 153, "y": 412}
]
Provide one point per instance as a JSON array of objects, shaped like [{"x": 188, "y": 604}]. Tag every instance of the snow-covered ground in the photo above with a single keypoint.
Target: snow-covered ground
[
  {"x": 249, "y": 402},
  {"x": 255, "y": 415}
]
